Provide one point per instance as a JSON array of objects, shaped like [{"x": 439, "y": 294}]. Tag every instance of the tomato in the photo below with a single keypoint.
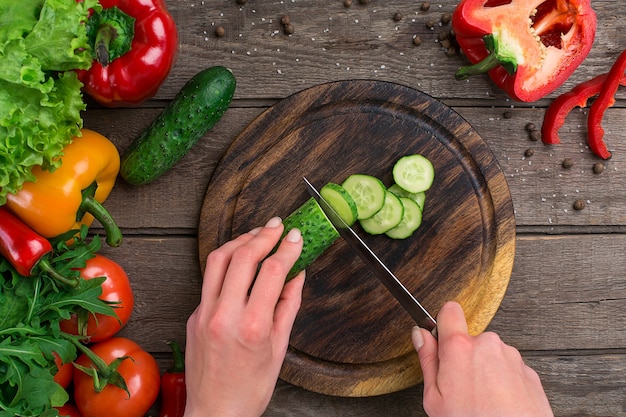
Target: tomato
[
  {"x": 63, "y": 376},
  {"x": 69, "y": 410},
  {"x": 140, "y": 371},
  {"x": 116, "y": 288}
]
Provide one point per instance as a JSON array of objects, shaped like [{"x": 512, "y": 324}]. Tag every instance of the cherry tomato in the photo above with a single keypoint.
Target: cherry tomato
[
  {"x": 69, "y": 410},
  {"x": 63, "y": 377},
  {"x": 141, "y": 373},
  {"x": 116, "y": 288}
]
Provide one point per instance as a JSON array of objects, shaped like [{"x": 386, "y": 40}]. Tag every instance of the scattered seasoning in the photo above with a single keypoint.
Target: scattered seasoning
[
  {"x": 347, "y": 3},
  {"x": 417, "y": 41},
  {"x": 579, "y": 204},
  {"x": 425, "y": 6},
  {"x": 598, "y": 168},
  {"x": 288, "y": 29},
  {"x": 534, "y": 135},
  {"x": 567, "y": 163},
  {"x": 397, "y": 17},
  {"x": 220, "y": 31},
  {"x": 529, "y": 152},
  {"x": 507, "y": 114}
]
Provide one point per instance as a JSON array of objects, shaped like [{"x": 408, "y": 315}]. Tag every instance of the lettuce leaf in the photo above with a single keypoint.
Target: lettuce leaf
[{"x": 41, "y": 43}]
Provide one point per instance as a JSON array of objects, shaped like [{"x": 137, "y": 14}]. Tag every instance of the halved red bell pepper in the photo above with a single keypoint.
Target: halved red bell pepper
[
  {"x": 528, "y": 47},
  {"x": 135, "y": 45}
]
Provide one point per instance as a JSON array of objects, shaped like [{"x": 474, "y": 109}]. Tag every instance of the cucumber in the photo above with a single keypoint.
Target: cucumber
[
  {"x": 411, "y": 220},
  {"x": 341, "y": 201},
  {"x": 388, "y": 217},
  {"x": 318, "y": 233},
  {"x": 368, "y": 192},
  {"x": 414, "y": 173},
  {"x": 197, "y": 107},
  {"x": 419, "y": 198}
]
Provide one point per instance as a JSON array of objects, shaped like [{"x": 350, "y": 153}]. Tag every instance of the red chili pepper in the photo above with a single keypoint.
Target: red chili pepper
[
  {"x": 528, "y": 47},
  {"x": 26, "y": 250},
  {"x": 560, "y": 108},
  {"x": 135, "y": 43},
  {"x": 605, "y": 99},
  {"x": 173, "y": 389}
]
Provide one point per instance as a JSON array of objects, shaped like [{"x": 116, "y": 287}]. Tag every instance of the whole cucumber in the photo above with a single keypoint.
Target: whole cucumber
[{"x": 197, "y": 107}]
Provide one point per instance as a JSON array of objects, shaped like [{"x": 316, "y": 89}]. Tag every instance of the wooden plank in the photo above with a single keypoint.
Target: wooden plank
[
  {"x": 543, "y": 192},
  {"x": 331, "y": 42}
]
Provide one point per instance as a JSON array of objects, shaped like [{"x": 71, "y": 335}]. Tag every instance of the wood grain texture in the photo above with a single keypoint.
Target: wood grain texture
[{"x": 350, "y": 337}]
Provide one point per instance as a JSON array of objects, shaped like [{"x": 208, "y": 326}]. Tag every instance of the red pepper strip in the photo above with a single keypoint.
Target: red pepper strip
[
  {"x": 26, "y": 250},
  {"x": 605, "y": 100},
  {"x": 173, "y": 389},
  {"x": 560, "y": 108}
]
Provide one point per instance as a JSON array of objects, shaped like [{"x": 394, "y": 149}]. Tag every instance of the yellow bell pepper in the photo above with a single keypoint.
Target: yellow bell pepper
[{"x": 71, "y": 195}]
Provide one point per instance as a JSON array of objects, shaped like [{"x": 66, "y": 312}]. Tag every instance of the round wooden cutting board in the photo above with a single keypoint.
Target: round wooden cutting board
[{"x": 351, "y": 337}]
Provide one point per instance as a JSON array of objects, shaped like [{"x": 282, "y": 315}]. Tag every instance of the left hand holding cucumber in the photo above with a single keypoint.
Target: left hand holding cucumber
[{"x": 237, "y": 337}]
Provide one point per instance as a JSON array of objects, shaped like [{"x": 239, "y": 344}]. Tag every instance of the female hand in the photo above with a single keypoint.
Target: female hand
[
  {"x": 475, "y": 376},
  {"x": 237, "y": 337}
]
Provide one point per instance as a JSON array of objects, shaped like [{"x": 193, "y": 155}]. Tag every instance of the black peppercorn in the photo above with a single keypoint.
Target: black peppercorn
[
  {"x": 579, "y": 204},
  {"x": 446, "y": 18},
  {"x": 397, "y": 17},
  {"x": 425, "y": 6},
  {"x": 347, "y": 3},
  {"x": 529, "y": 152},
  {"x": 288, "y": 29},
  {"x": 530, "y": 127},
  {"x": 220, "y": 31},
  {"x": 285, "y": 20},
  {"x": 534, "y": 135},
  {"x": 242, "y": 1},
  {"x": 507, "y": 114},
  {"x": 567, "y": 163},
  {"x": 430, "y": 24},
  {"x": 598, "y": 168},
  {"x": 417, "y": 40}
]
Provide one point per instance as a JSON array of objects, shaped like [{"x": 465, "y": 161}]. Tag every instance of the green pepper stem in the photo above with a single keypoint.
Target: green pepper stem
[
  {"x": 96, "y": 209},
  {"x": 491, "y": 61},
  {"x": 110, "y": 33},
  {"x": 179, "y": 360},
  {"x": 106, "y": 33},
  {"x": 45, "y": 266}
]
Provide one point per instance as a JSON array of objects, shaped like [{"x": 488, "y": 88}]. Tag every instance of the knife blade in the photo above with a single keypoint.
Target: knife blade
[{"x": 383, "y": 273}]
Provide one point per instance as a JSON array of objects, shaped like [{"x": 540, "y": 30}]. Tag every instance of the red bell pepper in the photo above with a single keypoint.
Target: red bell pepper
[
  {"x": 27, "y": 251},
  {"x": 605, "y": 99},
  {"x": 173, "y": 389},
  {"x": 135, "y": 45},
  {"x": 528, "y": 47},
  {"x": 559, "y": 109}
]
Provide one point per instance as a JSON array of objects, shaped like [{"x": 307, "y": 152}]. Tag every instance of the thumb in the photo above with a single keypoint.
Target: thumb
[{"x": 426, "y": 346}]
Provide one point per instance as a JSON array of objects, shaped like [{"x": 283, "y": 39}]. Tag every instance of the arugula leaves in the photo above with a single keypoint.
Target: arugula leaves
[
  {"x": 41, "y": 42},
  {"x": 30, "y": 311}
]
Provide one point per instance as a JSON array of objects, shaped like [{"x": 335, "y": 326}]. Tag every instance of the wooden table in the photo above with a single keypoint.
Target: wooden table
[{"x": 564, "y": 307}]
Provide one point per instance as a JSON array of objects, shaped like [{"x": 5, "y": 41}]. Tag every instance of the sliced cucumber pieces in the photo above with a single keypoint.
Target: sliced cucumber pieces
[
  {"x": 411, "y": 220},
  {"x": 368, "y": 192},
  {"x": 414, "y": 173},
  {"x": 341, "y": 201},
  {"x": 388, "y": 217},
  {"x": 419, "y": 198}
]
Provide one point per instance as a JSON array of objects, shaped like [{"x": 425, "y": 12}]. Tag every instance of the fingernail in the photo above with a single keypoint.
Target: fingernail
[
  {"x": 294, "y": 236},
  {"x": 274, "y": 222},
  {"x": 418, "y": 339},
  {"x": 255, "y": 231}
]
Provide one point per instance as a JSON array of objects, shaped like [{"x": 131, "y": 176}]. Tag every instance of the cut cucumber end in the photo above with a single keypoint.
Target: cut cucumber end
[
  {"x": 414, "y": 173},
  {"x": 341, "y": 201}
]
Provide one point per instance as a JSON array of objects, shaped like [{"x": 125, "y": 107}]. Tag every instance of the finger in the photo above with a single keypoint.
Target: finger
[
  {"x": 246, "y": 258},
  {"x": 427, "y": 350},
  {"x": 217, "y": 265},
  {"x": 271, "y": 278},
  {"x": 287, "y": 308},
  {"x": 450, "y": 320}
]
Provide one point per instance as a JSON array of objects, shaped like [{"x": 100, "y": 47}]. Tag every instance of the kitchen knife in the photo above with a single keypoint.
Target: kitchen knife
[{"x": 389, "y": 280}]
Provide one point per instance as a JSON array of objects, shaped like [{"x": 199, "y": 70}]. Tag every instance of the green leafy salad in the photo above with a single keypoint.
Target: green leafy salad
[{"x": 41, "y": 43}]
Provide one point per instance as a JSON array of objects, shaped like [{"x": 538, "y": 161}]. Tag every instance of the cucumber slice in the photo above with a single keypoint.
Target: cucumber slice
[
  {"x": 388, "y": 217},
  {"x": 318, "y": 233},
  {"x": 368, "y": 192},
  {"x": 411, "y": 220},
  {"x": 419, "y": 198},
  {"x": 414, "y": 173},
  {"x": 341, "y": 201}
]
